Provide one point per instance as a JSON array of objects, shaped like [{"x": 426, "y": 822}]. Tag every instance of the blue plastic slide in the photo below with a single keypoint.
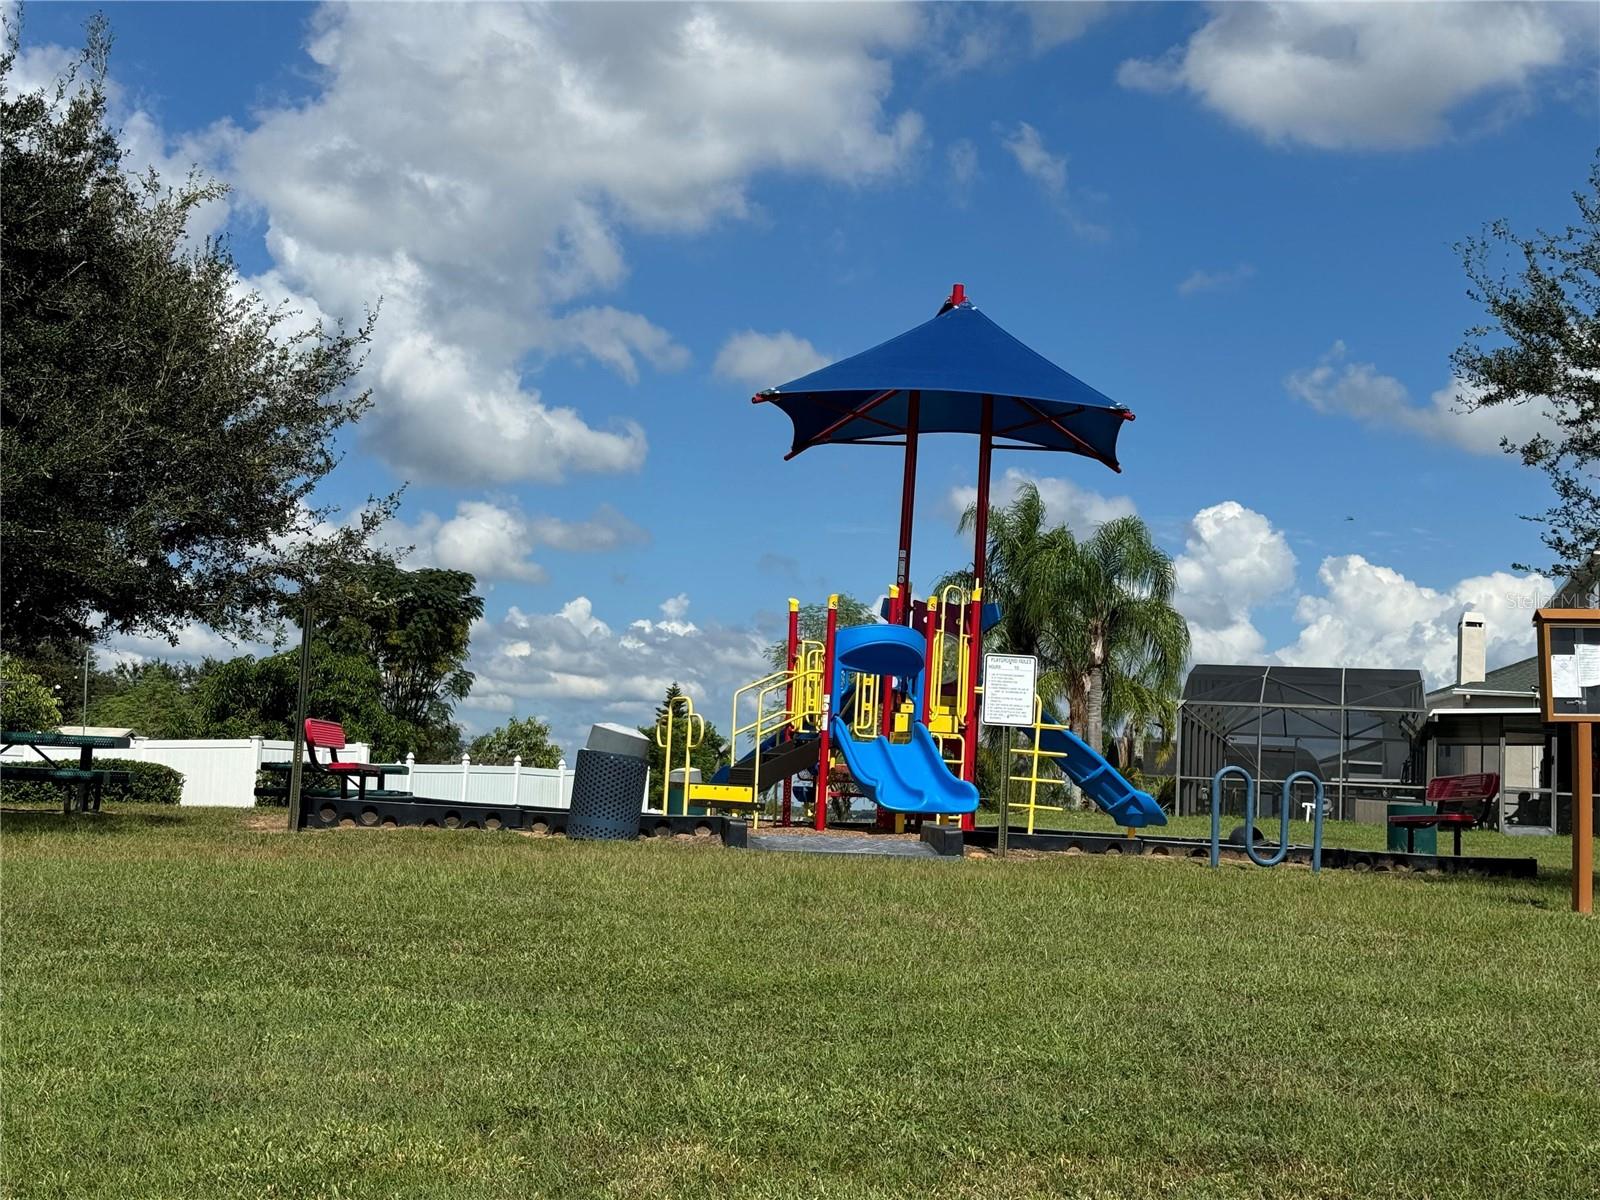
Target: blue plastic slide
[
  {"x": 1100, "y": 781},
  {"x": 907, "y": 777}
]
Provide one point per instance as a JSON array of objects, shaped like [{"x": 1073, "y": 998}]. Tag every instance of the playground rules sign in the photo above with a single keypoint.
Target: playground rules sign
[{"x": 1008, "y": 688}]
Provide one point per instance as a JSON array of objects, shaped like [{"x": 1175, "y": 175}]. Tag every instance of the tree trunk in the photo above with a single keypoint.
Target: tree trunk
[{"x": 1094, "y": 719}]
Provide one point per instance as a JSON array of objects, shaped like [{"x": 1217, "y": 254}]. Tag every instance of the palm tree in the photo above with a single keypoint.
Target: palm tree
[
  {"x": 1139, "y": 698},
  {"x": 1097, "y": 613},
  {"x": 1120, "y": 591},
  {"x": 1027, "y": 563}
]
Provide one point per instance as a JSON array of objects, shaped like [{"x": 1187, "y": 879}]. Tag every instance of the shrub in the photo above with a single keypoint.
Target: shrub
[
  {"x": 148, "y": 783},
  {"x": 25, "y": 702}
]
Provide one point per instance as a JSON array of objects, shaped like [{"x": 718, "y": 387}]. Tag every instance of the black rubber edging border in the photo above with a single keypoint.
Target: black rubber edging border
[{"x": 1335, "y": 858}]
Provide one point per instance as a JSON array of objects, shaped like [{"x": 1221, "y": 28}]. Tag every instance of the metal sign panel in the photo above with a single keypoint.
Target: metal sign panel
[{"x": 1009, "y": 685}]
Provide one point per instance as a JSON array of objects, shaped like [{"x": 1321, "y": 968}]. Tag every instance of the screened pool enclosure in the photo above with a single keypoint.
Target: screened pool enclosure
[{"x": 1355, "y": 728}]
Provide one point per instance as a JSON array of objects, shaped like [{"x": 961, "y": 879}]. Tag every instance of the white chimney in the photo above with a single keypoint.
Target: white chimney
[{"x": 1471, "y": 650}]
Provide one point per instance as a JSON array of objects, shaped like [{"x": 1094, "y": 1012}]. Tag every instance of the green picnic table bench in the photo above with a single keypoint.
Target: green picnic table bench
[{"x": 81, "y": 784}]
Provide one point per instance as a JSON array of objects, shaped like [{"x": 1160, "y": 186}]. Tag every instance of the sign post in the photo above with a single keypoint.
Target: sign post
[
  {"x": 1010, "y": 685},
  {"x": 1569, "y": 694}
]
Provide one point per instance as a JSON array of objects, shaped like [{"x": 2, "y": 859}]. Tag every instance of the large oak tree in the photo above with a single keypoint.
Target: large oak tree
[
  {"x": 162, "y": 427},
  {"x": 1541, "y": 345}
]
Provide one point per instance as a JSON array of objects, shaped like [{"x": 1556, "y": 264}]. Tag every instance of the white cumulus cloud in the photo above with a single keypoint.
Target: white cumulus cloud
[
  {"x": 1347, "y": 75},
  {"x": 573, "y": 668},
  {"x": 1362, "y": 613},
  {"x": 1338, "y": 385},
  {"x": 1233, "y": 560},
  {"x": 1080, "y": 509},
  {"x": 1368, "y": 615},
  {"x": 1225, "y": 279},
  {"x": 760, "y": 360},
  {"x": 1054, "y": 23},
  {"x": 1037, "y": 162},
  {"x": 477, "y": 167},
  {"x": 1048, "y": 169},
  {"x": 495, "y": 542}
]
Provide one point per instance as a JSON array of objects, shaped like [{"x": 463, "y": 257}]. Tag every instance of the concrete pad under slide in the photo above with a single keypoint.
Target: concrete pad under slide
[{"x": 823, "y": 843}]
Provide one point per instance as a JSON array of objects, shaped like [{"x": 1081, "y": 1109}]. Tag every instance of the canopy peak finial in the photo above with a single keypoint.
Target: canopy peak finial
[{"x": 958, "y": 296}]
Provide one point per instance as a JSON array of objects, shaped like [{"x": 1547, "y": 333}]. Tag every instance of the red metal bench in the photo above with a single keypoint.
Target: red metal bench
[
  {"x": 1461, "y": 802},
  {"x": 329, "y": 736}
]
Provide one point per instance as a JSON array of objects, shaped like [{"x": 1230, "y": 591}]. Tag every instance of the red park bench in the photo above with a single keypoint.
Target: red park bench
[
  {"x": 320, "y": 777},
  {"x": 1460, "y": 802}
]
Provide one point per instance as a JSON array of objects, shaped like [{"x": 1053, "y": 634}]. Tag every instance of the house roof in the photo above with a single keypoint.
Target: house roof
[{"x": 1520, "y": 678}]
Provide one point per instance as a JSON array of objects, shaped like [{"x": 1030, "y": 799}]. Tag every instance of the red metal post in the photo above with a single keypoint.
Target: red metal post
[
  {"x": 883, "y": 817},
  {"x": 980, "y": 545},
  {"x": 932, "y": 672},
  {"x": 899, "y": 613},
  {"x": 788, "y": 700},
  {"x": 819, "y": 790}
]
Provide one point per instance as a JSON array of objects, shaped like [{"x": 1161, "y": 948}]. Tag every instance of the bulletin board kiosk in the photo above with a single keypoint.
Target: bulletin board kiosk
[{"x": 1569, "y": 694}]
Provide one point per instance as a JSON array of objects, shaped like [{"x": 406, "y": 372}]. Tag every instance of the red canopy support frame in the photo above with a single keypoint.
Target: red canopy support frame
[
  {"x": 900, "y": 612},
  {"x": 819, "y": 790},
  {"x": 789, "y": 700}
]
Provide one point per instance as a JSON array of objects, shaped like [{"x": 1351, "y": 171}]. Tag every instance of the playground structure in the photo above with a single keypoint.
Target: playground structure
[
  {"x": 900, "y": 736},
  {"x": 891, "y": 710}
]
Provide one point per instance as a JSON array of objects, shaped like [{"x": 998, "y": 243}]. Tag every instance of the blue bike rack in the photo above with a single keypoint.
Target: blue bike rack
[{"x": 1250, "y": 818}]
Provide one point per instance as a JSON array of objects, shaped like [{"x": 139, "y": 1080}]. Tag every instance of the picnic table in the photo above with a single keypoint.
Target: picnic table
[{"x": 79, "y": 782}]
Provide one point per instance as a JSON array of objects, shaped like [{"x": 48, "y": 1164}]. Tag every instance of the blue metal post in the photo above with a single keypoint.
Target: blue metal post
[
  {"x": 1250, "y": 818},
  {"x": 1216, "y": 806},
  {"x": 1316, "y": 828},
  {"x": 1250, "y": 829}
]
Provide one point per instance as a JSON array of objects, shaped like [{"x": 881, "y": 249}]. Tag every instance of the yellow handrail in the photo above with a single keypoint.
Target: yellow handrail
[
  {"x": 865, "y": 720},
  {"x": 802, "y": 687},
  {"x": 693, "y": 735},
  {"x": 946, "y": 720},
  {"x": 809, "y": 685}
]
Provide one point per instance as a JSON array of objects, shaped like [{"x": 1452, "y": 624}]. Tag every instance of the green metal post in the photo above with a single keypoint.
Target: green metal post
[
  {"x": 1005, "y": 796},
  {"x": 300, "y": 718}
]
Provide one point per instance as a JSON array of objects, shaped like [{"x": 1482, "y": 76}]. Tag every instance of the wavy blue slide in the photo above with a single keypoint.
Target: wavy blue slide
[
  {"x": 907, "y": 777},
  {"x": 1100, "y": 781}
]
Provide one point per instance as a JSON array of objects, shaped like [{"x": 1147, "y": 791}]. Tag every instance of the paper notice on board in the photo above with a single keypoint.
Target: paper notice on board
[
  {"x": 1564, "y": 677},
  {"x": 1588, "y": 666}
]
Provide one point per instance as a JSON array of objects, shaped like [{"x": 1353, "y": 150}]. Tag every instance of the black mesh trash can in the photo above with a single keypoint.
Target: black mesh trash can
[{"x": 607, "y": 796}]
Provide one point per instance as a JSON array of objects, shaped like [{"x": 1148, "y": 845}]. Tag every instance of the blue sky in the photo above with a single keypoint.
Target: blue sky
[{"x": 597, "y": 229}]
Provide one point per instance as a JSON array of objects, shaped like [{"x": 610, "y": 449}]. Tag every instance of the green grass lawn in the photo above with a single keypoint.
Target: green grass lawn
[{"x": 196, "y": 1006}]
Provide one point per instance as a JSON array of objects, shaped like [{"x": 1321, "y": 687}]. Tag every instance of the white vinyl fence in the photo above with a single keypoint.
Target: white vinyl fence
[
  {"x": 466, "y": 783},
  {"x": 221, "y": 772},
  {"x": 216, "y": 771}
]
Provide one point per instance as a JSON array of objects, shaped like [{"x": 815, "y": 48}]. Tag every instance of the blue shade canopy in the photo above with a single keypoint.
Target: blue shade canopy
[{"x": 952, "y": 362}]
